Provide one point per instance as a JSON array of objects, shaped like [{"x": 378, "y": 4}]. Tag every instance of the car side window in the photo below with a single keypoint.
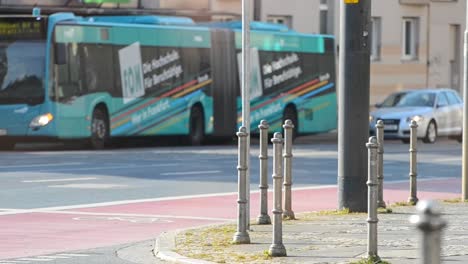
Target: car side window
[
  {"x": 442, "y": 100},
  {"x": 453, "y": 98}
]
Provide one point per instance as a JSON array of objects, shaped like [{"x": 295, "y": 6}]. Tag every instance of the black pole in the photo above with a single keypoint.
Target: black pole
[
  {"x": 353, "y": 113},
  {"x": 257, "y": 10}
]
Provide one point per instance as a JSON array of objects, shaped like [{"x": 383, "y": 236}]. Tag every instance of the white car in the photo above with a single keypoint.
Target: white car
[{"x": 438, "y": 112}]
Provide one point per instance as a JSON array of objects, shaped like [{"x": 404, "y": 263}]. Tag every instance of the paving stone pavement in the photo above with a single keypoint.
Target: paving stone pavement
[{"x": 342, "y": 238}]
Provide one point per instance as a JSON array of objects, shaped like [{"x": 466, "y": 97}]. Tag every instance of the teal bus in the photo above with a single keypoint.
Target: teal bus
[{"x": 99, "y": 78}]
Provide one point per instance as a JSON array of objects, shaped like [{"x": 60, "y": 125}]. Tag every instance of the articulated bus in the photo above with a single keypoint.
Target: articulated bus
[{"x": 99, "y": 78}]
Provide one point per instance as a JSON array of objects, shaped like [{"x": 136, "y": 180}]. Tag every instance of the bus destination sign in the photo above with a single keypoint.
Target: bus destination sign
[{"x": 21, "y": 28}]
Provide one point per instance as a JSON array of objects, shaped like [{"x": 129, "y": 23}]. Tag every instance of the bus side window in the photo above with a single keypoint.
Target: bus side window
[
  {"x": 69, "y": 77},
  {"x": 97, "y": 72}
]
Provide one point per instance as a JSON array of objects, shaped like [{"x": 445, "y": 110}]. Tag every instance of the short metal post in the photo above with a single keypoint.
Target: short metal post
[
  {"x": 373, "y": 188},
  {"x": 277, "y": 249},
  {"x": 288, "y": 133},
  {"x": 241, "y": 236},
  {"x": 431, "y": 224},
  {"x": 263, "y": 218},
  {"x": 379, "y": 127},
  {"x": 413, "y": 199}
]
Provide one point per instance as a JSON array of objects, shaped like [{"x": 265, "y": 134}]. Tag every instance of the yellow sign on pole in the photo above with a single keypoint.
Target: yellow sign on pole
[{"x": 351, "y": 1}]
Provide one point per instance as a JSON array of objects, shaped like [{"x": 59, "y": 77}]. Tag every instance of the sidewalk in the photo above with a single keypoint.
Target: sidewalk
[
  {"x": 320, "y": 238},
  {"x": 324, "y": 236}
]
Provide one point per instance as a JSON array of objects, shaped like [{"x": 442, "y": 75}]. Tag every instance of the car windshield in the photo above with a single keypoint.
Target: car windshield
[
  {"x": 425, "y": 99},
  {"x": 21, "y": 71},
  {"x": 392, "y": 99}
]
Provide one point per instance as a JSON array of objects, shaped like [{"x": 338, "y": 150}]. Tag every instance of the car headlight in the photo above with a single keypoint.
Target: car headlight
[
  {"x": 42, "y": 120},
  {"x": 417, "y": 118}
]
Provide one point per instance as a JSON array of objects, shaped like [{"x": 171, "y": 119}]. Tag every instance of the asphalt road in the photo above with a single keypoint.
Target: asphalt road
[
  {"x": 53, "y": 179},
  {"x": 42, "y": 178}
]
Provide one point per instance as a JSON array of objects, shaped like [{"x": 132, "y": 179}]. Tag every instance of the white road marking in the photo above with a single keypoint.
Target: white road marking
[
  {"x": 98, "y": 186},
  {"x": 41, "y": 165},
  {"x": 72, "y": 255},
  {"x": 112, "y": 167},
  {"x": 138, "y": 215},
  {"x": 35, "y": 259},
  {"x": 189, "y": 173},
  {"x": 173, "y": 198},
  {"x": 60, "y": 180},
  {"x": 52, "y": 257}
]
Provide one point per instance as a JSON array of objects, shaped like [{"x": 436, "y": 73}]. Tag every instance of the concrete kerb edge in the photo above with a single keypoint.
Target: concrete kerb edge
[{"x": 164, "y": 246}]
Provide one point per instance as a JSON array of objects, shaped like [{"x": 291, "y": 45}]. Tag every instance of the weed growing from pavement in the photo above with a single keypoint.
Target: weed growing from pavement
[
  {"x": 454, "y": 200},
  {"x": 402, "y": 204},
  {"x": 215, "y": 244},
  {"x": 371, "y": 260}
]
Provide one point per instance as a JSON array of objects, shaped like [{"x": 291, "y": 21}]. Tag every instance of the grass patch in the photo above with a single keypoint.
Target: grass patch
[
  {"x": 371, "y": 260},
  {"x": 402, "y": 204},
  {"x": 454, "y": 200},
  {"x": 384, "y": 210},
  {"x": 215, "y": 244}
]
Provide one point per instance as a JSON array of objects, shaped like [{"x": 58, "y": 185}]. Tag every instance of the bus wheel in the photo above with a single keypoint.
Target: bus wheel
[
  {"x": 197, "y": 126},
  {"x": 291, "y": 114},
  {"x": 7, "y": 145},
  {"x": 99, "y": 129}
]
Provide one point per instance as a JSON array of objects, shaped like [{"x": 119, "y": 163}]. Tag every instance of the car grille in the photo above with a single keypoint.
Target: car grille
[{"x": 391, "y": 125}]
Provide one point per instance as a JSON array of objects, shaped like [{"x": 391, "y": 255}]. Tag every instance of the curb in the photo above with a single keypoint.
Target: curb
[{"x": 164, "y": 246}]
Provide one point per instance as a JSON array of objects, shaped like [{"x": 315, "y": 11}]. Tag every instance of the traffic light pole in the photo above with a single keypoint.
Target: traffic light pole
[{"x": 353, "y": 107}]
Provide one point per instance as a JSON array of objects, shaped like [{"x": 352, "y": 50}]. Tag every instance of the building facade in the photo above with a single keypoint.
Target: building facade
[{"x": 414, "y": 43}]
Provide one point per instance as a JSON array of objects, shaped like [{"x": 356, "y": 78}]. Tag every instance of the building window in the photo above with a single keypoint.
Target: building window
[
  {"x": 376, "y": 38},
  {"x": 323, "y": 17},
  {"x": 410, "y": 38},
  {"x": 284, "y": 20}
]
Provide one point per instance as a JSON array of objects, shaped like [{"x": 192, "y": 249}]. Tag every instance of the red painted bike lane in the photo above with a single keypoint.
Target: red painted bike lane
[{"x": 24, "y": 234}]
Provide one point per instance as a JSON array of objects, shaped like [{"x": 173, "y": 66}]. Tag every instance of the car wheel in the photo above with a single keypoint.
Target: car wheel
[
  {"x": 406, "y": 140},
  {"x": 431, "y": 133}
]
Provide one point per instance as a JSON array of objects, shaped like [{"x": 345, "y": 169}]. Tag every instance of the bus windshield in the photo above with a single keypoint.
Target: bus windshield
[
  {"x": 22, "y": 59},
  {"x": 22, "y": 71}
]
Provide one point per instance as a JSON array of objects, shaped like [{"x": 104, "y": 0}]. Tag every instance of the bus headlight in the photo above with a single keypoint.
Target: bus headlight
[{"x": 42, "y": 120}]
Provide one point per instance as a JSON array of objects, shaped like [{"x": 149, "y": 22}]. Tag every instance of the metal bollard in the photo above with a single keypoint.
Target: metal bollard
[
  {"x": 379, "y": 127},
  {"x": 373, "y": 186},
  {"x": 413, "y": 199},
  {"x": 277, "y": 249},
  {"x": 288, "y": 133},
  {"x": 241, "y": 236},
  {"x": 431, "y": 224},
  {"x": 263, "y": 218}
]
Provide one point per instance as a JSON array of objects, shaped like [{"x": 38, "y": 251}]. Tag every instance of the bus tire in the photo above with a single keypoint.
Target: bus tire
[
  {"x": 196, "y": 126},
  {"x": 291, "y": 114},
  {"x": 99, "y": 128},
  {"x": 7, "y": 145}
]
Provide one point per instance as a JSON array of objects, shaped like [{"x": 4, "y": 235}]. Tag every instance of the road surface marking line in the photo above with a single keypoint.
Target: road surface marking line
[
  {"x": 60, "y": 180},
  {"x": 52, "y": 257},
  {"x": 41, "y": 165},
  {"x": 111, "y": 167},
  {"x": 189, "y": 173},
  {"x": 71, "y": 255},
  {"x": 175, "y": 198},
  {"x": 35, "y": 259},
  {"x": 139, "y": 215}
]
